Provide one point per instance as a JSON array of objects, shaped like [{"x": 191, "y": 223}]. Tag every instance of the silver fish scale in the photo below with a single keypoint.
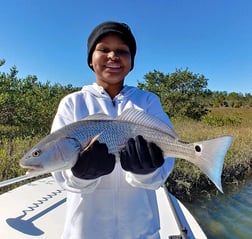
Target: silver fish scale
[
  {"x": 116, "y": 133},
  {"x": 113, "y": 133}
]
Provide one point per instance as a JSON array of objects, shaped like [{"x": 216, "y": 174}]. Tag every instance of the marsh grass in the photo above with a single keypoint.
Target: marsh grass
[
  {"x": 186, "y": 180},
  {"x": 10, "y": 153}
]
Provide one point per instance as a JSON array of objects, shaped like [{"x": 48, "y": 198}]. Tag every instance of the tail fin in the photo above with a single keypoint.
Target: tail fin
[{"x": 211, "y": 157}]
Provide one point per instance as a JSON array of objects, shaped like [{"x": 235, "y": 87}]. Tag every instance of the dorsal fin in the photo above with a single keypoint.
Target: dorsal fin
[
  {"x": 140, "y": 117},
  {"x": 98, "y": 116}
]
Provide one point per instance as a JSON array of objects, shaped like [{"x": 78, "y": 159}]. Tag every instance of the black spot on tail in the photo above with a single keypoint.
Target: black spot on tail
[{"x": 198, "y": 148}]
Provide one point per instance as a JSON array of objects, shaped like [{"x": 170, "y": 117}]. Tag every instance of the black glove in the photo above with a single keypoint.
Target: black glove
[
  {"x": 140, "y": 156},
  {"x": 94, "y": 162}
]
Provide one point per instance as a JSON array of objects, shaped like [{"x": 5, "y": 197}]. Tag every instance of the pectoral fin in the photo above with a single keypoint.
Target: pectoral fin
[{"x": 91, "y": 142}]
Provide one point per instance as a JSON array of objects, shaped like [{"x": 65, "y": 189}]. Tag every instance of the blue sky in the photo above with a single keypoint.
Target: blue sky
[{"x": 47, "y": 38}]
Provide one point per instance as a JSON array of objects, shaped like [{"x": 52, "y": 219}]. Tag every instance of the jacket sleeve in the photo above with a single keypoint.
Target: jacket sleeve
[
  {"x": 152, "y": 180},
  {"x": 157, "y": 178},
  {"x": 66, "y": 179}
]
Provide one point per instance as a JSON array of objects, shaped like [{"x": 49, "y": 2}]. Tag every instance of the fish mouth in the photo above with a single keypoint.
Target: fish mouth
[{"x": 33, "y": 168}]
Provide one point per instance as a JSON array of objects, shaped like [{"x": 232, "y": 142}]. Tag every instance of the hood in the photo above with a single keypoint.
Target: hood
[{"x": 99, "y": 91}]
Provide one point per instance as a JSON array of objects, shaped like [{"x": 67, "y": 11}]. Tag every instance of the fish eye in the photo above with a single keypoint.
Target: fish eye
[{"x": 36, "y": 153}]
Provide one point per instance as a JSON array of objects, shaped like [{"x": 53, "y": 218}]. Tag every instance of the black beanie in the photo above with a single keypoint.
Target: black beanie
[{"x": 104, "y": 28}]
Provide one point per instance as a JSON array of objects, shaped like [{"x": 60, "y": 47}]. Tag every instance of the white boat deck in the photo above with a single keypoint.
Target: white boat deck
[{"x": 37, "y": 210}]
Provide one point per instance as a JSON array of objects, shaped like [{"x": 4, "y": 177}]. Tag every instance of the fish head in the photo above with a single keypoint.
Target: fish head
[{"x": 51, "y": 155}]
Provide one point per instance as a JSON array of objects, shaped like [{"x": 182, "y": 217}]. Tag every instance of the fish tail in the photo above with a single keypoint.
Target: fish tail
[{"x": 210, "y": 157}]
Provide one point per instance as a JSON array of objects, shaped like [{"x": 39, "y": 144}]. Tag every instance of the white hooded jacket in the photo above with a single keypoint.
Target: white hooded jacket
[{"x": 121, "y": 205}]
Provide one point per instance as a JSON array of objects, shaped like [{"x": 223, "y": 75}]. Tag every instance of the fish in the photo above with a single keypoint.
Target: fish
[{"x": 60, "y": 150}]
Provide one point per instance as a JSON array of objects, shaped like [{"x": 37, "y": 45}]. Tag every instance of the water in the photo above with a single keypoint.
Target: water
[{"x": 226, "y": 215}]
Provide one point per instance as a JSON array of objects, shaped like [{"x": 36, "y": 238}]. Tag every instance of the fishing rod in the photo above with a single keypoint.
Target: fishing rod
[
  {"x": 182, "y": 228},
  {"x": 17, "y": 180}
]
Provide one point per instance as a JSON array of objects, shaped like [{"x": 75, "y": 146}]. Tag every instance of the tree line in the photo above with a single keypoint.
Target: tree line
[
  {"x": 27, "y": 106},
  {"x": 184, "y": 93}
]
